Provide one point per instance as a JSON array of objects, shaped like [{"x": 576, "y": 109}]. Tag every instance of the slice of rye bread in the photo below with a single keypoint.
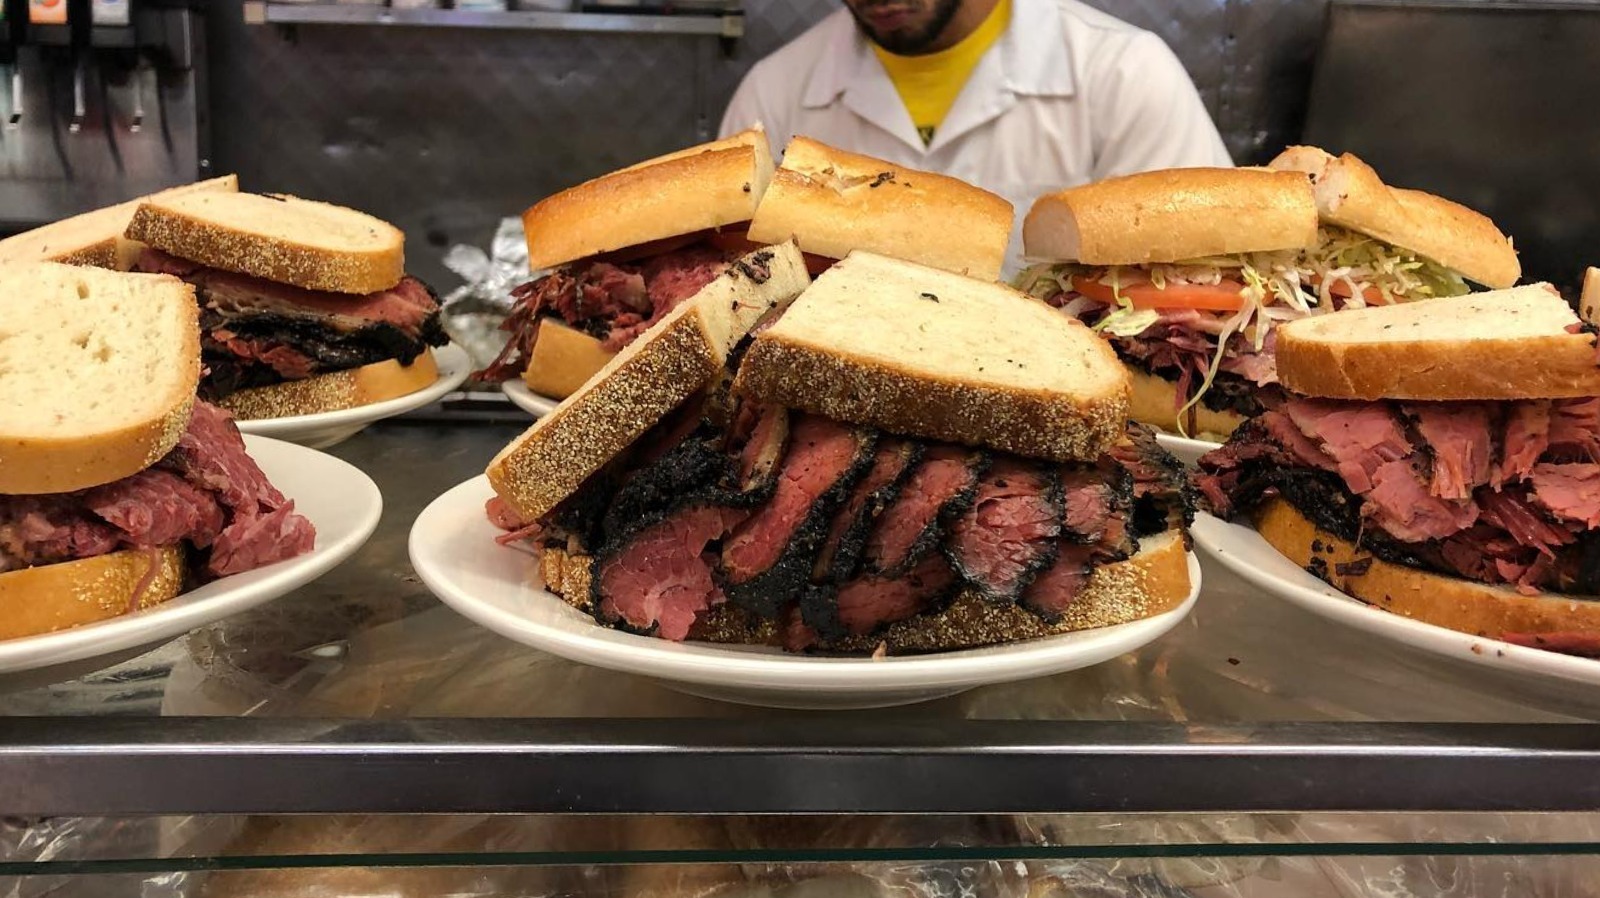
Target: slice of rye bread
[
  {"x": 95, "y": 238},
  {"x": 51, "y": 597},
  {"x": 922, "y": 352},
  {"x": 98, "y": 371},
  {"x": 1505, "y": 344},
  {"x": 315, "y": 246},
  {"x": 1351, "y": 195},
  {"x": 1155, "y": 580},
  {"x": 335, "y": 391},
  {"x": 679, "y": 356}
]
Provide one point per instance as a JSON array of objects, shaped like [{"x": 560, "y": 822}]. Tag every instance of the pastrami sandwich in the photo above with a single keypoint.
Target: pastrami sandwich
[
  {"x": 96, "y": 238},
  {"x": 1189, "y": 271},
  {"x": 1440, "y": 460},
  {"x": 906, "y": 459},
  {"x": 626, "y": 248},
  {"x": 118, "y": 489},
  {"x": 305, "y": 307}
]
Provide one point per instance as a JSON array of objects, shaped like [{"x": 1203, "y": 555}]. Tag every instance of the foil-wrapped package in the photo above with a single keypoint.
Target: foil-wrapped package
[{"x": 472, "y": 313}]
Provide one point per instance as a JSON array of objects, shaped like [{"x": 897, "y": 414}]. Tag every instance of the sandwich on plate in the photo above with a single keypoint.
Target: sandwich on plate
[
  {"x": 626, "y": 248},
  {"x": 305, "y": 307},
  {"x": 118, "y": 489},
  {"x": 1439, "y": 459},
  {"x": 1189, "y": 272},
  {"x": 900, "y": 459},
  {"x": 96, "y": 238}
]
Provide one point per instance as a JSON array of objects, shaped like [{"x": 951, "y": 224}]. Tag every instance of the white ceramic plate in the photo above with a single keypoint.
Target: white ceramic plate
[
  {"x": 535, "y": 404},
  {"x": 1243, "y": 551},
  {"x": 1187, "y": 450},
  {"x": 342, "y": 502},
  {"x": 326, "y": 429},
  {"x": 453, "y": 549}
]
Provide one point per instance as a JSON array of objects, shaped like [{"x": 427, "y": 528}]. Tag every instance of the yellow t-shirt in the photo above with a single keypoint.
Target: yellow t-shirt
[{"x": 929, "y": 84}]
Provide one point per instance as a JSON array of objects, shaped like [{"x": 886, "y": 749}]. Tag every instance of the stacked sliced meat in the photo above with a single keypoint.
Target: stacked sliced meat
[
  {"x": 835, "y": 531},
  {"x": 207, "y": 493},
  {"x": 257, "y": 332},
  {"x": 1498, "y": 492},
  {"x": 612, "y": 301}
]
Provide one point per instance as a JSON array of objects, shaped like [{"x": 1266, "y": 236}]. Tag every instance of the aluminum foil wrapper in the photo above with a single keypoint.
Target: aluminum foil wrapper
[{"x": 472, "y": 313}]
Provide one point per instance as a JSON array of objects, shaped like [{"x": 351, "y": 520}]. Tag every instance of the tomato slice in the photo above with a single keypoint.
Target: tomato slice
[{"x": 1227, "y": 296}]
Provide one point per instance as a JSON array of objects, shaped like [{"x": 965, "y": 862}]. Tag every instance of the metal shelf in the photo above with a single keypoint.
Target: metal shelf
[{"x": 725, "y": 25}]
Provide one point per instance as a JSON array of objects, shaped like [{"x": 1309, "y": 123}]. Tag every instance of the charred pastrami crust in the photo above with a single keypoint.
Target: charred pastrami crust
[
  {"x": 1164, "y": 497},
  {"x": 766, "y": 592},
  {"x": 1229, "y": 392},
  {"x": 326, "y": 348},
  {"x": 846, "y": 559},
  {"x": 974, "y": 464},
  {"x": 1053, "y": 495}
]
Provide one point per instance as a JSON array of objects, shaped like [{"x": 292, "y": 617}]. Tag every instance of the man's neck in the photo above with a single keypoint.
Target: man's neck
[{"x": 963, "y": 23}]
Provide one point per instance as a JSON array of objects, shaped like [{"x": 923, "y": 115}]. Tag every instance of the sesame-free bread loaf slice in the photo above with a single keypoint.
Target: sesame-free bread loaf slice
[
  {"x": 1503, "y": 344},
  {"x": 315, "y": 246},
  {"x": 98, "y": 371},
  {"x": 679, "y": 356},
  {"x": 922, "y": 352}
]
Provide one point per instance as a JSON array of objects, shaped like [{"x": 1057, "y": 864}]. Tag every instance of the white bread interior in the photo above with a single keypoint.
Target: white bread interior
[
  {"x": 679, "y": 356},
  {"x": 1351, "y": 195},
  {"x": 707, "y": 186},
  {"x": 1503, "y": 344},
  {"x": 335, "y": 391},
  {"x": 316, "y": 246},
  {"x": 923, "y": 352},
  {"x": 831, "y": 202},
  {"x": 1172, "y": 216},
  {"x": 1444, "y": 601},
  {"x": 563, "y": 359},
  {"x": 95, "y": 238},
  {"x": 98, "y": 371},
  {"x": 51, "y": 597}
]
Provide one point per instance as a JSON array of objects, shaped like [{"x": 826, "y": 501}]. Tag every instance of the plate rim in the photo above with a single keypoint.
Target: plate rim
[
  {"x": 535, "y": 404},
  {"x": 170, "y": 621},
  {"x": 455, "y": 366},
  {"x": 1213, "y": 535},
  {"x": 708, "y": 663}
]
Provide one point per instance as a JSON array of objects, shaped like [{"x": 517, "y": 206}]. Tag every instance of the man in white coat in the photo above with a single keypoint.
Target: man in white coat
[{"x": 1021, "y": 97}]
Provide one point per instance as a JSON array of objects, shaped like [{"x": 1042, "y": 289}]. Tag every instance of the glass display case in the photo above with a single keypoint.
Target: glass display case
[{"x": 359, "y": 738}]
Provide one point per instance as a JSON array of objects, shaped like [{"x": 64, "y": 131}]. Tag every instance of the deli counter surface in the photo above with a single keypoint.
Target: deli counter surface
[{"x": 1255, "y": 749}]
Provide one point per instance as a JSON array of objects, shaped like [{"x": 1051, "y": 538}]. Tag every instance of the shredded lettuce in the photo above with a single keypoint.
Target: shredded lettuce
[
  {"x": 1128, "y": 322},
  {"x": 1361, "y": 262}
]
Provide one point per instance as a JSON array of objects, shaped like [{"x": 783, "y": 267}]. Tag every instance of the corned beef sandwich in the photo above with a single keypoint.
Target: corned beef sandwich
[
  {"x": 626, "y": 248},
  {"x": 905, "y": 459},
  {"x": 117, "y": 487},
  {"x": 1440, "y": 460},
  {"x": 305, "y": 307},
  {"x": 1189, "y": 272}
]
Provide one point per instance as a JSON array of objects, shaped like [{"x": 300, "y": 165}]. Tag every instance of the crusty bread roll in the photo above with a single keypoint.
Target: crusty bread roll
[
  {"x": 563, "y": 359},
  {"x": 1589, "y": 305},
  {"x": 1172, "y": 216},
  {"x": 679, "y": 356},
  {"x": 844, "y": 350},
  {"x": 315, "y": 246},
  {"x": 702, "y": 187},
  {"x": 98, "y": 371},
  {"x": 1351, "y": 195},
  {"x": 1445, "y": 601},
  {"x": 831, "y": 202},
  {"x": 53, "y": 597},
  {"x": 335, "y": 391},
  {"x": 95, "y": 238},
  {"x": 1504, "y": 344},
  {"x": 1152, "y": 402}
]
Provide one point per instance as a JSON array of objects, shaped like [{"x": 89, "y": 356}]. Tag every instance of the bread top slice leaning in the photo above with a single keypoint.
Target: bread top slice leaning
[
  {"x": 707, "y": 186},
  {"x": 926, "y": 353},
  {"x": 831, "y": 202},
  {"x": 1351, "y": 195},
  {"x": 315, "y": 246},
  {"x": 98, "y": 372},
  {"x": 96, "y": 238},
  {"x": 679, "y": 356},
  {"x": 1173, "y": 215},
  {"x": 1503, "y": 344}
]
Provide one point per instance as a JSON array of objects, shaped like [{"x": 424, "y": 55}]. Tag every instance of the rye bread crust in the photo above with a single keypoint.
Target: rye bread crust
[
  {"x": 336, "y": 391},
  {"x": 53, "y": 597}
]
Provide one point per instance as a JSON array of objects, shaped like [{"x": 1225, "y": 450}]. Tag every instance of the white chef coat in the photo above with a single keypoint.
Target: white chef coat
[{"x": 1067, "y": 95}]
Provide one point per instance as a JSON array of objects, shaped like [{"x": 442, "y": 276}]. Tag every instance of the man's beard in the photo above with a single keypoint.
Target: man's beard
[{"x": 909, "y": 42}]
